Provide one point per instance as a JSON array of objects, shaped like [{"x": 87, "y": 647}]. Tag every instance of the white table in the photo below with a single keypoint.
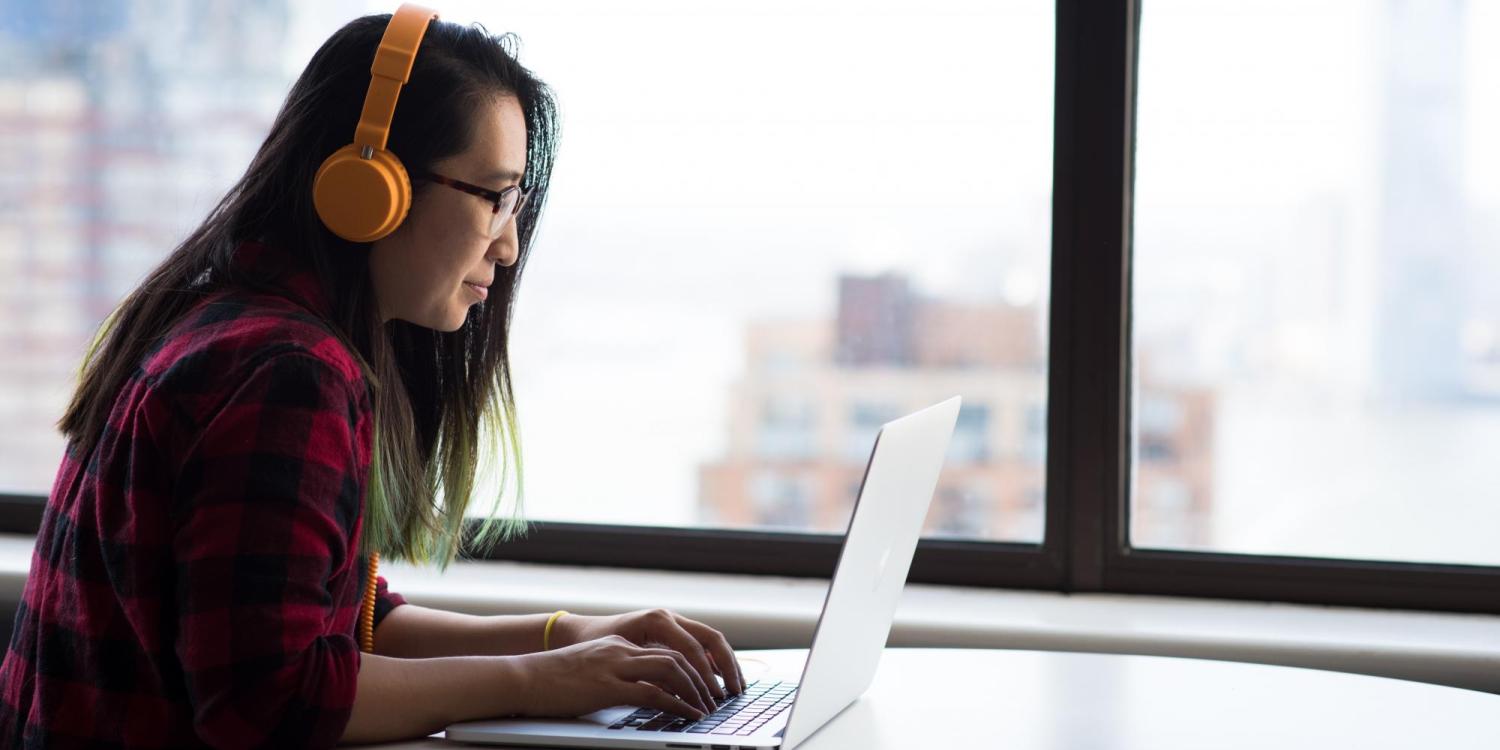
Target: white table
[{"x": 1034, "y": 700}]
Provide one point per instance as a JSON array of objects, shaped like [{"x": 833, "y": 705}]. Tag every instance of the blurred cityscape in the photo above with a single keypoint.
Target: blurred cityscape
[
  {"x": 123, "y": 122},
  {"x": 804, "y": 418}
]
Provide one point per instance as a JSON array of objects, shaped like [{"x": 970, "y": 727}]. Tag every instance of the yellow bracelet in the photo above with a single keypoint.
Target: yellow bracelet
[{"x": 547, "y": 634}]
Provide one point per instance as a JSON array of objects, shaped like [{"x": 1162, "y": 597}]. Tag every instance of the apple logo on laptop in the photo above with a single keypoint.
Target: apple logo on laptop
[{"x": 880, "y": 568}]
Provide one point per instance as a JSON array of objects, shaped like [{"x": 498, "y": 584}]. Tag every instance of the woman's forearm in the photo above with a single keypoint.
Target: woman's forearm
[
  {"x": 408, "y": 698},
  {"x": 413, "y": 632}
]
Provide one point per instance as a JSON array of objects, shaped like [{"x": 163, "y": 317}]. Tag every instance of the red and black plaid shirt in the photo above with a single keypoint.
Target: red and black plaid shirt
[{"x": 196, "y": 579}]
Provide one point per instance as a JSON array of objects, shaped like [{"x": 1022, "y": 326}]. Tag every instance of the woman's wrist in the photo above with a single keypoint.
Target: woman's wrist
[
  {"x": 490, "y": 687},
  {"x": 551, "y": 632},
  {"x": 513, "y": 671},
  {"x": 565, "y": 631}
]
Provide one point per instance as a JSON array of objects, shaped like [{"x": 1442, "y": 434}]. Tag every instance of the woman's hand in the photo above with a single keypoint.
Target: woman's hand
[
  {"x": 611, "y": 671},
  {"x": 705, "y": 648}
]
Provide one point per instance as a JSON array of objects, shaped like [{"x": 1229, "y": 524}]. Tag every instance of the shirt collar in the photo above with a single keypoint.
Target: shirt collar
[{"x": 283, "y": 269}]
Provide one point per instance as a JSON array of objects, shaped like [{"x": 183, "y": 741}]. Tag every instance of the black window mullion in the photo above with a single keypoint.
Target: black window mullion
[{"x": 1088, "y": 425}]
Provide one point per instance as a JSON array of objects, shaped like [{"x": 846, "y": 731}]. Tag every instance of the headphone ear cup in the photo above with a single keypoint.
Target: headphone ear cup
[{"x": 361, "y": 199}]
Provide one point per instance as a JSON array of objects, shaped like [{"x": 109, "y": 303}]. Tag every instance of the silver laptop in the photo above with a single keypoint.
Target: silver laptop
[{"x": 899, "y": 481}]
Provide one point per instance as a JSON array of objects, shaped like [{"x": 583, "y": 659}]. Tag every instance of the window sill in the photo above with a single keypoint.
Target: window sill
[{"x": 1461, "y": 650}]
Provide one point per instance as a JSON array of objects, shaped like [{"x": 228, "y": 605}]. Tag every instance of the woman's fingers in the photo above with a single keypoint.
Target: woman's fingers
[
  {"x": 673, "y": 635},
  {"x": 668, "y": 671},
  {"x": 717, "y": 646},
  {"x": 704, "y": 695},
  {"x": 651, "y": 696}
]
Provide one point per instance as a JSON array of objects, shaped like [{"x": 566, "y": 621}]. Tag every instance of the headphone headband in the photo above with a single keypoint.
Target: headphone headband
[
  {"x": 362, "y": 191},
  {"x": 391, "y": 69}
]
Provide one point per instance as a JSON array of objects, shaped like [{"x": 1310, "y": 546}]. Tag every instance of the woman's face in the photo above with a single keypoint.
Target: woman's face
[{"x": 441, "y": 259}]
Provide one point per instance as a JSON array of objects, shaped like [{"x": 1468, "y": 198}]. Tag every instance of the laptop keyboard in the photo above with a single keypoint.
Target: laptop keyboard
[{"x": 739, "y": 715}]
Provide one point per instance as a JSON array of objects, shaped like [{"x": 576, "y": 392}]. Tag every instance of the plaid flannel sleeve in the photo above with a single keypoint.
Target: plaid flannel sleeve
[
  {"x": 385, "y": 599},
  {"x": 267, "y": 502}
]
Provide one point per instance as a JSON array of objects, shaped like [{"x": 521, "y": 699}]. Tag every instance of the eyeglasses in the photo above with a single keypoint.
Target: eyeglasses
[{"x": 507, "y": 202}]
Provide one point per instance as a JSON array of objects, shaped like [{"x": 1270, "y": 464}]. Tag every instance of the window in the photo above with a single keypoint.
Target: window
[
  {"x": 779, "y": 499},
  {"x": 788, "y": 233},
  {"x": 800, "y": 247},
  {"x": 1317, "y": 276},
  {"x": 1224, "y": 321},
  {"x": 787, "y": 428},
  {"x": 865, "y": 419},
  {"x": 971, "y": 435}
]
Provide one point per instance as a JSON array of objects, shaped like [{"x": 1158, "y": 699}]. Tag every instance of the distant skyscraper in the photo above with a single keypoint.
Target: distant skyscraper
[{"x": 1423, "y": 242}]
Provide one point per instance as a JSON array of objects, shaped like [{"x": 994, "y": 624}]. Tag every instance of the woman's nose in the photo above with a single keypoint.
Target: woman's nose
[
  {"x": 503, "y": 250},
  {"x": 506, "y": 255}
]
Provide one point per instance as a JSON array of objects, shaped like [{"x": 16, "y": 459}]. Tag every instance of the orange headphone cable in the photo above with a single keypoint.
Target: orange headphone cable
[{"x": 367, "y": 608}]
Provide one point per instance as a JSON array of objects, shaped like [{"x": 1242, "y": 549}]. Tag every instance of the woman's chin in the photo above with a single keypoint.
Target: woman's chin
[
  {"x": 446, "y": 321},
  {"x": 453, "y": 322}
]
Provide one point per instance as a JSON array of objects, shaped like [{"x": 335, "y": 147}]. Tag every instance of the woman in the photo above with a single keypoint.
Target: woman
[{"x": 274, "y": 405}]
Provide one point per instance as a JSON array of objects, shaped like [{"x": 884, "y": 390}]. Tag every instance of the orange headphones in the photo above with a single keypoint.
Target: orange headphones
[{"x": 362, "y": 191}]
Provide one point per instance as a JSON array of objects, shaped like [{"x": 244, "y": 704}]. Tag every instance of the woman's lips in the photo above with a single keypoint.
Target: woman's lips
[{"x": 483, "y": 293}]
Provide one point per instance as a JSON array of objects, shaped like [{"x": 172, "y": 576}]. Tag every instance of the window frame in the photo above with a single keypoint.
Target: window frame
[{"x": 1086, "y": 547}]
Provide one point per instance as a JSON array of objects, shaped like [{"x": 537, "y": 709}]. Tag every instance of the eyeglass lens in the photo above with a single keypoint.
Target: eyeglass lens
[{"x": 508, "y": 208}]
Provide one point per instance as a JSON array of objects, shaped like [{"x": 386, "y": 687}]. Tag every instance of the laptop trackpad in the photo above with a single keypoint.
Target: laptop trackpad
[{"x": 606, "y": 716}]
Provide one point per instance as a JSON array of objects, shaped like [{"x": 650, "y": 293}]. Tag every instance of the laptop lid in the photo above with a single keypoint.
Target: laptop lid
[
  {"x": 900, "y": 478},
  {"x": 899, "y": 482}
]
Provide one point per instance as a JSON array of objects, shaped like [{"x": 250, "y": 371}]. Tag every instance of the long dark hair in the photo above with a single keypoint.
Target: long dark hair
[{"x": 442, "y": 401}]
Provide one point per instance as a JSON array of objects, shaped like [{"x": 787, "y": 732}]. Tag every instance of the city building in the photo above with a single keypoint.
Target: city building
[{"x": 815, "y": 392}]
